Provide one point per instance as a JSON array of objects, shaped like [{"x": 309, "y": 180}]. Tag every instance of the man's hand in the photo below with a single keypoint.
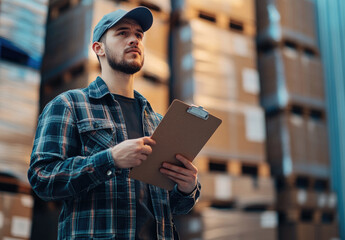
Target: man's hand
[
  {"x": 133, "y": 152},
  {"x": 185, "y": 177}
]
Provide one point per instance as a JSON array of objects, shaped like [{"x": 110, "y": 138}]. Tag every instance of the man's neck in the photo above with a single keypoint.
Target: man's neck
[{"x": 119, "y": 82}]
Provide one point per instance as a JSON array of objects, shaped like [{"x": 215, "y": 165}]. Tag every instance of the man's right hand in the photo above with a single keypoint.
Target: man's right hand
[{"x": 133, "y": 152}]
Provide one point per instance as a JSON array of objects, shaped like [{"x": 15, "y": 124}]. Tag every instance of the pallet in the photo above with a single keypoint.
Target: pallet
[
  {"x": 222, "y": 21},
  {"x": 234, "y": 167},
  {"x": 11, "y": 53},
  {"x": 290, "y": 39},
  {"x": 201, "y": 205},
  {"x": 307, "y": 182},
  {"x": 304, "y": 110},
  {"x": 291, "y": 43},
  {"x": 149, "y": 4},
  {"x": 67, "y": 75},
  {"x": 315, "y": 216},
  {"x": 11, "y": 184}
]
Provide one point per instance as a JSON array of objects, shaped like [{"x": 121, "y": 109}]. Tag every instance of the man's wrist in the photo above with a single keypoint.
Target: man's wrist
[{"x": 187, "y": 194}]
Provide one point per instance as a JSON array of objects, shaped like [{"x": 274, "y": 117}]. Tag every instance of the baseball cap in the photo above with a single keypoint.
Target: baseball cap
[{"x": 140, "y": 14}]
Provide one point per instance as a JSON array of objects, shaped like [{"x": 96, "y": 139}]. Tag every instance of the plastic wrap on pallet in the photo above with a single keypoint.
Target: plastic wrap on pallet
[{"x": 23, "y": 24}]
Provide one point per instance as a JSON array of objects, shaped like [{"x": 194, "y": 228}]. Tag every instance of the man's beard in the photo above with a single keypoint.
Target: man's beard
[{"x": 122, "y": 66}]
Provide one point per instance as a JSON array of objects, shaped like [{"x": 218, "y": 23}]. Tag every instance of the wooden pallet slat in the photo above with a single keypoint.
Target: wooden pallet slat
[{"x": 234, "y": 167}]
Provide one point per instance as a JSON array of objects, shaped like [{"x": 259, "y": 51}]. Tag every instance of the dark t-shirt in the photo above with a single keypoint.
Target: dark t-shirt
[{"x": 145, "y": 221}]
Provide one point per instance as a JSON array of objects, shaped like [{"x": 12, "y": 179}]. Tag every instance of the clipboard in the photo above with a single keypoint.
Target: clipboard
[{"x": 184, "y": 129}]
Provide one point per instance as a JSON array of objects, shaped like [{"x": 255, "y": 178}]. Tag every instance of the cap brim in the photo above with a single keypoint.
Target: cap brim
[{"x": 142, "y": 15}]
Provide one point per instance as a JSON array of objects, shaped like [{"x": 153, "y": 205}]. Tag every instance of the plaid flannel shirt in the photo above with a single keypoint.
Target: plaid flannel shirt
[{"x": 71, "y": 161}]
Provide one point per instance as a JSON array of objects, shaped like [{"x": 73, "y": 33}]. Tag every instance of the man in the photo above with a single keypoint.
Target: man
[{"x": 87, "y": 141}]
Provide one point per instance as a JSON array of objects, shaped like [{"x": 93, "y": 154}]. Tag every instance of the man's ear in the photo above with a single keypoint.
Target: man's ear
[{"x": 98, "y": 48}]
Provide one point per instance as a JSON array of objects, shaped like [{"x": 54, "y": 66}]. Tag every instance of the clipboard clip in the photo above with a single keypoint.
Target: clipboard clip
[{"x": 198, "y": 111}]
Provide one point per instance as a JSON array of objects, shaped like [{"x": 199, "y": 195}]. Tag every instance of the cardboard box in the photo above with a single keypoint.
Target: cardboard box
[
  {"x": 226, "y": 224},
  {"x": 297, "y": 231},
  {"x": 327, "y": 231},
  {"x": 241, "y": 135},
  {"x": 296, "y": 198},
  {"x": 15, "y": 215},
  {"x": 19, "y": 100},
  {"x": 156, "y": 41},
  {"x": 290, "y": 76},
  {"x": 214, "y": 62},
  {"x": 288, "y": 138},
  {"x": 156, "y": 93},
  {"x": 243, "y": 10},
  {"x": 317, "y": 142},
  {"x": 241, "y": 191},
  {"x": 15, "y": 159},
  {"x": 229, "y": 72},
  {"x": 294, "y": 20}
]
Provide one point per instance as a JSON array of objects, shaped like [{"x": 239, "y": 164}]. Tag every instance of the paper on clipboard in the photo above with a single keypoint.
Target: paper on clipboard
[{"x": 185, "y": 130}]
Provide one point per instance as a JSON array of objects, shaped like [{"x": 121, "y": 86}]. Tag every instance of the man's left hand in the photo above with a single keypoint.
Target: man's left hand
[{"x": 185, "y": 176}]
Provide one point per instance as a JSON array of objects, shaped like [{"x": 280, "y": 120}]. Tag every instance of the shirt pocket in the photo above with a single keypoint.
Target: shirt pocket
[{"x": 96, "y": 135}]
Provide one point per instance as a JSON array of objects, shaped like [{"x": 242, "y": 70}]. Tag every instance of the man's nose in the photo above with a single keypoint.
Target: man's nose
[{"x": 133, "y": 40}]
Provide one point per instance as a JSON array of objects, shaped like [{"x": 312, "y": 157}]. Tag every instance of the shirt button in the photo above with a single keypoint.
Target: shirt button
[
  {"x": 109, "y": 173},
  {"x": 95, "y": 125}
]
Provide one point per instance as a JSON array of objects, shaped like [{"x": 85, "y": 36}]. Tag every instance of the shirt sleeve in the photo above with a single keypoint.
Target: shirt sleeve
[
  {"x": 57, "y": 170},
  {"x": 181, "y": 203}
]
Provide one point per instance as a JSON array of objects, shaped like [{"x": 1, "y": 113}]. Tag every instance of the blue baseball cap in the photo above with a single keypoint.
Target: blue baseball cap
[{"x": 140, "y": 14}]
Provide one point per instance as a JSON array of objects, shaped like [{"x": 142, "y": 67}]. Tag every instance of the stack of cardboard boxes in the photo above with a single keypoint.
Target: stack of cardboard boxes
[
  {"x": 22, "y": 35},
  {"x": 293, "y": 97},
  {"x": 214, "y": 65},
  {"x": 22, "y": 40},
  {"x": 15, "y": 215}
]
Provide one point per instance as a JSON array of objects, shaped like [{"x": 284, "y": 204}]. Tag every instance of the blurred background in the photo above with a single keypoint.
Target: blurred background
[{"x": 272, "y": 70}]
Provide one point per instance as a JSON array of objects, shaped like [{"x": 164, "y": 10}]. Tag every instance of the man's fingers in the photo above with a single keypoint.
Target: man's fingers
[
  {"x": 186, "y": 162},
  {"x": 176, "y": 169},
  {"x": 148, "y": 141},
  {"x": 146, "y": 149},
  {"x": 174, "y": 174}
]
